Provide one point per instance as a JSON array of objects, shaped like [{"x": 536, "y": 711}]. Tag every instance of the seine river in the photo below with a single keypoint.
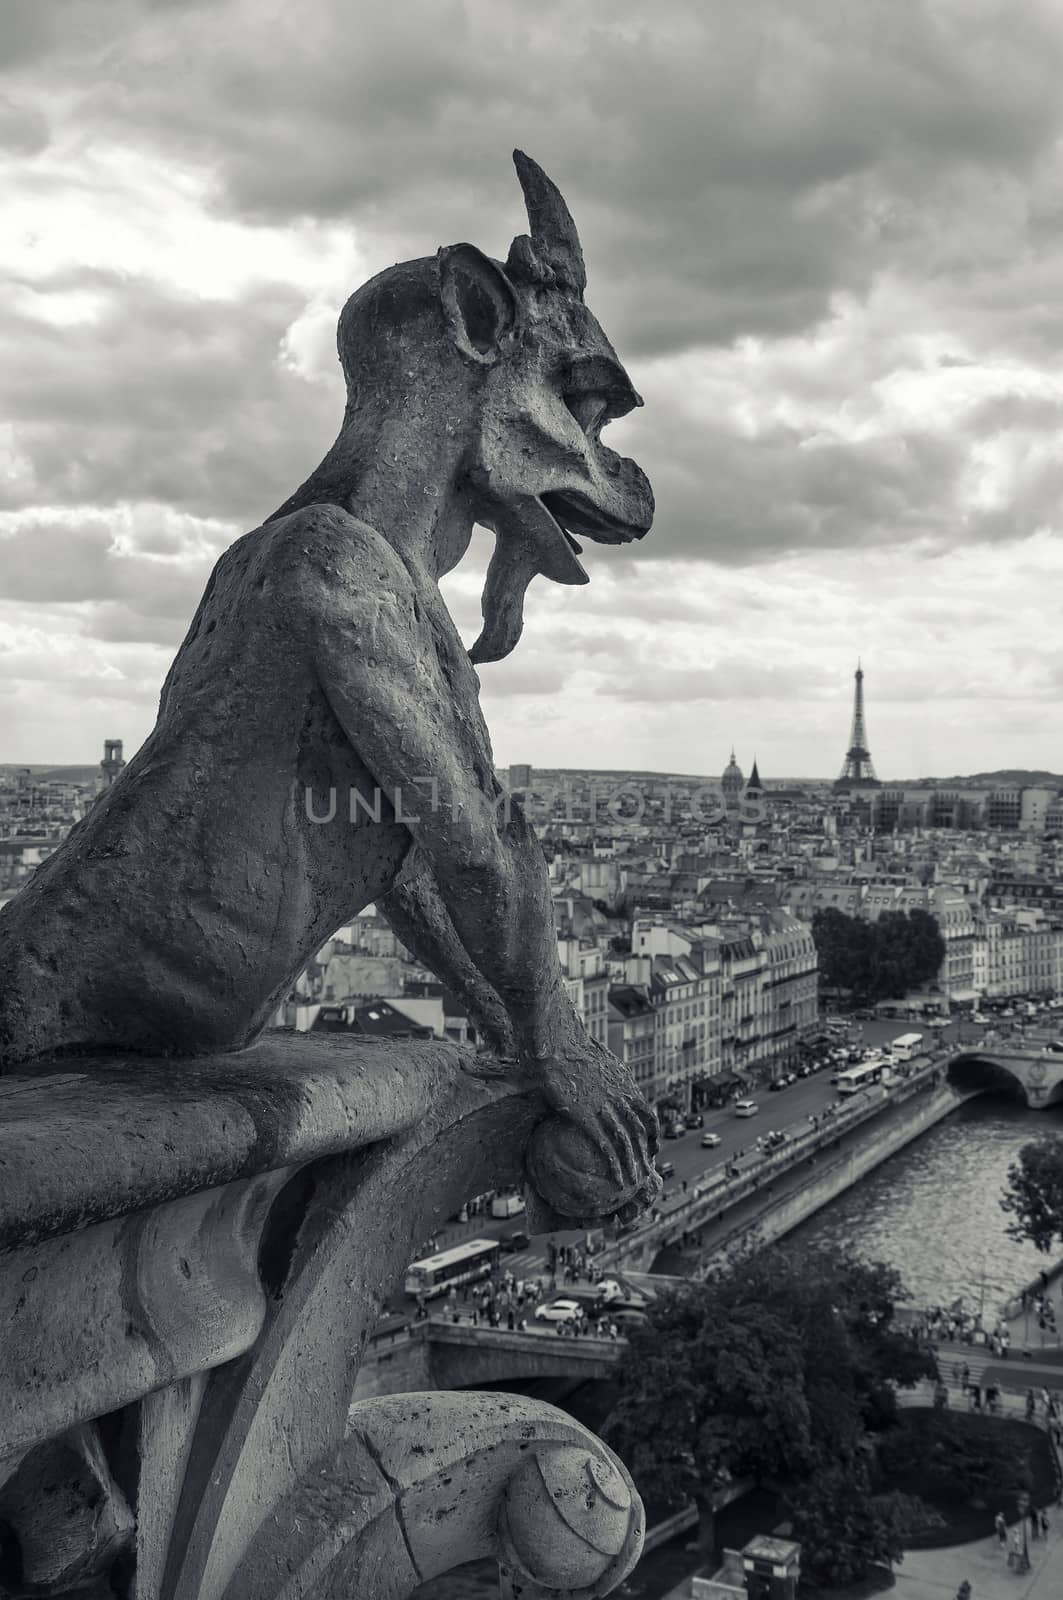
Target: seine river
[{"x": 933, "y": 1211}]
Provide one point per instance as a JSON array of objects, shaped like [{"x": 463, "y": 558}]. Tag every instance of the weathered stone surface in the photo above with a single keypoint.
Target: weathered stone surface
[
  {"x": 95, "y": 1319},
  {"x": 64, "y": 1518},
  {"x": 422, "y": 1483},
  {"x": 115, "y": 1136}
]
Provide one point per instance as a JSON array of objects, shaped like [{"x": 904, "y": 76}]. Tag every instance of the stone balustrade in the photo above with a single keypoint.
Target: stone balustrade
[{"x": 192, "y": 1258}]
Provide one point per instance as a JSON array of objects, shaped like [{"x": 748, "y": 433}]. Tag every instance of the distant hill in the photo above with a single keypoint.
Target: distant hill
[
  {"x": 80, "y": 775},
  {"x": 1012, "y": 777}
]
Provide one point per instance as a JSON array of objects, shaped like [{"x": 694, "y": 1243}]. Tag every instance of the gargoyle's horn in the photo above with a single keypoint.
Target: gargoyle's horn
[{"x": 554, "y": 240}]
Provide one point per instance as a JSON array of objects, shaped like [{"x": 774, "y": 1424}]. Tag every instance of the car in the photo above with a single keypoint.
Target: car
[
  {"x": 776, "y": 1084},
  {"x": 515, "y": 1241},
  {"x": 666, "y": 1169},
  {"x": 610, "y": 1289},
  {"x": 694, "y": 1119},
  {"x": 626, "y": 1316},
  {"x": 559, "y": 1311},
  {"x": 709, "y": 1141},
  {"x": 746, "y": 1108},
  {"x": 672, "y": 1131}
]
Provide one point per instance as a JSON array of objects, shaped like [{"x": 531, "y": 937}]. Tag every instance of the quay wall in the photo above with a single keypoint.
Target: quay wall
[
  {"x": 784, "y": 1205},
  {"x": 715, "y": 1208}
]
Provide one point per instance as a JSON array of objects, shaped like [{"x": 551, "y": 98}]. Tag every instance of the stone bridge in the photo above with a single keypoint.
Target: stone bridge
[
  {"x": 1036, "y": 1073},
  {"x": 440, "y": 1354}
]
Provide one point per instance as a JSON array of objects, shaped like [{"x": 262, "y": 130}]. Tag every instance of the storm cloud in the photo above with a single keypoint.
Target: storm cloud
[{"x": 826, "y": 239}]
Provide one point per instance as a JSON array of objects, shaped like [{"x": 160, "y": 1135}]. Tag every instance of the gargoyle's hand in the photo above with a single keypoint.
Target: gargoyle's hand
[{"x": 594, "y": 1159}]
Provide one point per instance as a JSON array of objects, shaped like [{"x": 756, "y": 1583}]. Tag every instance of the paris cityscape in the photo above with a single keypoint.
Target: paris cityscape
[
  {"x": 531, "y": 846},
  {"x": 853, "y": 973}
]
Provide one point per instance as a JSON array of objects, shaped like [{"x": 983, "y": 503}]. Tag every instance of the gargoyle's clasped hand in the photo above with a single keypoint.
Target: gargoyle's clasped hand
[{"x": 594, "y": 1158}]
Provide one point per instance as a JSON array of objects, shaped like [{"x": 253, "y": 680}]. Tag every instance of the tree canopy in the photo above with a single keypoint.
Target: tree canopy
[
  {"x": 777, "y": 1369},
  {"x": 1034, "y": 1193},
  {"x": 879, "y": 960}
]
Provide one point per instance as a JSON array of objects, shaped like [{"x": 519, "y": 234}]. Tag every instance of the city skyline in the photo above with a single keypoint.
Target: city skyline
[{"x": 826, "y": 249}]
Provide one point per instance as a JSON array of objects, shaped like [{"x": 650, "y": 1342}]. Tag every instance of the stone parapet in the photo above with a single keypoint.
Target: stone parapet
[{"x": 192, "y": 1258}]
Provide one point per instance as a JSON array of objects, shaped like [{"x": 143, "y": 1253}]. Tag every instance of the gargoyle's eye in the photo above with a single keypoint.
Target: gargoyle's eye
[{"x": 589, "y": 407}]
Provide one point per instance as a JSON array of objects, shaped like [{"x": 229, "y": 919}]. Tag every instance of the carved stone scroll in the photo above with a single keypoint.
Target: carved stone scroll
[{"x": 422, "y": 1483}]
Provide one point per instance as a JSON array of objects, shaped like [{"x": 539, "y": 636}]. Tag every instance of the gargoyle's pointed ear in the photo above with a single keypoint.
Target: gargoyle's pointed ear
[{"x": 479, "y": 302}]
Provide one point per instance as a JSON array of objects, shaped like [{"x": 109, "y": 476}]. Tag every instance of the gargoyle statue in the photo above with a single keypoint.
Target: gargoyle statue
[{"x": 322, "y": 662}]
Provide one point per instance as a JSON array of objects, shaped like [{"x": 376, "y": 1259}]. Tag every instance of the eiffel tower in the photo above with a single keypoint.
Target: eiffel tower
[{"x": 858, "y": 773}]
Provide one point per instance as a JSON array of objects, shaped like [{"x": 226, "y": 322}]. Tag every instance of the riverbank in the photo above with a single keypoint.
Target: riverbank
[{"x": 782, "y": 1203}]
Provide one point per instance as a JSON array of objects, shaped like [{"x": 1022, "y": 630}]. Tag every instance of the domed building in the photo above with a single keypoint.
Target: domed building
[{"x": 732, "y": 784}]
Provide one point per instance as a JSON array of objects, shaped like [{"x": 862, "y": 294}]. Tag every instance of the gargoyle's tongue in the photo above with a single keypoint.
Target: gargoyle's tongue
[{"x": 528, "y": 542}]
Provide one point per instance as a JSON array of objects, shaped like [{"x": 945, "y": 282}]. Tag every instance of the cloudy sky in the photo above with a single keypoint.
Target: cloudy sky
[{"x": 826, "y": 237}]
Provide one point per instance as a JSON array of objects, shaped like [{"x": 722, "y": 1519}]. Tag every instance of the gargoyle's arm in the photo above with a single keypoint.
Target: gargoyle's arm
[
  {"x": 405, "y": 693},
  {"x": 414, "y": 909}
]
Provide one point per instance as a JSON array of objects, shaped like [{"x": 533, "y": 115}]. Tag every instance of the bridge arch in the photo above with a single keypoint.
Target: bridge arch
[
  {"x": 975, "y": 1072},
  {"x": 1037, "y": 1072}
]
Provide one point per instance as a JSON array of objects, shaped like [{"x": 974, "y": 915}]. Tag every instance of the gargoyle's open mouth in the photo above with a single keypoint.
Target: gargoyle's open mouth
[{"x": 574, "y": 513}]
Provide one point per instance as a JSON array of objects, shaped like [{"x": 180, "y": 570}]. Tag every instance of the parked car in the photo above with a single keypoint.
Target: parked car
[
  {"x": 694, "y": 1119},
  {"x": 776, "y": 1084},
  {"x": 611, "y": 1289},
  {"x": 672, "y": 1130},
  {"x": 558, "y": 1311},
  {"x": 626, "y": 1316},
  {"x": 666, "y": 1169},
  {"x": 709, "y": 1141}
]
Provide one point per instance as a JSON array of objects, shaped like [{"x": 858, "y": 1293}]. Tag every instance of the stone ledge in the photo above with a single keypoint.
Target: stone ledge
[{"x": 88, "y": 1138}]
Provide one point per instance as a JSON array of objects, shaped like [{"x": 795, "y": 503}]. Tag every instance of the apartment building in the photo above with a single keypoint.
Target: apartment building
[{"x": 632, "y": 1032}]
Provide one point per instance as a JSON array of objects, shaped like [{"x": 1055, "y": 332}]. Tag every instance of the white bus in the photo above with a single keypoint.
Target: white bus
[
  {"x": 853, "y": 1079},
  {"x": 906, "y": 1046},
  {"x": 462, "y": 1263}
]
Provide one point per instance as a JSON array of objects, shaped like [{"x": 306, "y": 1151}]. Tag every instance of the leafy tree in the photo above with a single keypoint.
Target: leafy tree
[
  {"x": 877, "y": 960},
  {"x": 843, "y": 1528},
  {"x": 1034, "y": 1193},
  {"x": 775, "y": 1369},
  {"x": 953, "y": 1460},
  {"x": 710, "y": 1391}
]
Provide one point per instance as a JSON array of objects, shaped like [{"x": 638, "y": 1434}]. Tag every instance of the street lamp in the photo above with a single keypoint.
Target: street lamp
[{"x": 1023, "y": 1506}]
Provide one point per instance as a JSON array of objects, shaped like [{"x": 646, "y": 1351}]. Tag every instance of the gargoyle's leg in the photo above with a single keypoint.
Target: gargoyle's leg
[{"x": 414, "y": 909}]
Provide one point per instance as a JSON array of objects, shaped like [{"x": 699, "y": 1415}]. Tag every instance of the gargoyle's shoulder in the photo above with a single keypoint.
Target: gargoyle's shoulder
[{"x": 326, "y": 542}]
